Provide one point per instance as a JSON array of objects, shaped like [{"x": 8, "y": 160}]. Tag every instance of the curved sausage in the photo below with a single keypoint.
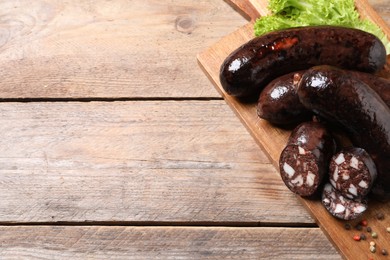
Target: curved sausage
[
  {"x": 304, "y": 162},
  {"x": 380, "y": 85},
  {"x": 279, "y": 103},
  {"x": 352, "y": 172},
  {"x": 249, "y": 68},
  {"x": 348, "y": 101}
]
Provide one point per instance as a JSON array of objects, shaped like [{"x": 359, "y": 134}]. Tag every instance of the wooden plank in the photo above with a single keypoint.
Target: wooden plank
[
  {"x": 78, "y": 49},
  {"x": 381, "y": 7},
  {"x": 155, "y": 161},
  {"x": 273, "y": 140},
  {"x": 367, "y": 11},
  {"x": 251, "y": 8},
  {"x": 64, "y": 242}
]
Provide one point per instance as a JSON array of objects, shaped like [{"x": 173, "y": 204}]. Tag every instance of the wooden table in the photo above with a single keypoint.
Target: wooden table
[{"x": 115, "y": 144}]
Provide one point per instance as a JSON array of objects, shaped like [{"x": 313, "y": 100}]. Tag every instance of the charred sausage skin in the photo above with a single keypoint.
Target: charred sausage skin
[
  {"x": 348, "y": 101},
  {"x": 248, "y": 69}
]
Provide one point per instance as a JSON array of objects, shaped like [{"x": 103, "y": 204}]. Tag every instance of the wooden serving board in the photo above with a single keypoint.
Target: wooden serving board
[{"x": 272, "y": 139}]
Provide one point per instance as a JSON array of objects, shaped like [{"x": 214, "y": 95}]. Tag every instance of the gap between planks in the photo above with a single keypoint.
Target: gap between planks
[
  {"x": 105, "y": 99},
  {"x": 209, "y": 224}
]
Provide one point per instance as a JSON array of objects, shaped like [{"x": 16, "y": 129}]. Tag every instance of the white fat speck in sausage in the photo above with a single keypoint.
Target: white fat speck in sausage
[
  {"x": 289, "y": 170},
  {"x": 354, "y": 163},
  {"x": 339, "y": 159}
]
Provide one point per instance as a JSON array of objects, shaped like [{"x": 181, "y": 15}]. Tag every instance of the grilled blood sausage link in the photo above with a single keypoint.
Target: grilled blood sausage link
[
  {"x": 380, "y": 85},
  {"x": 344, "y": 99},
  {"x": 341, "y": 207},
  {"x": 352, "y": 172},
  {"x": 279, "y": 103},
  {"x": 304, "y": 161},
  {"x": 248, "y": 69}
]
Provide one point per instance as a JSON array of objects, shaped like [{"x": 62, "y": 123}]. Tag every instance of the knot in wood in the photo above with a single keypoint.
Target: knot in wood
[{"x": 185, "y": 24}]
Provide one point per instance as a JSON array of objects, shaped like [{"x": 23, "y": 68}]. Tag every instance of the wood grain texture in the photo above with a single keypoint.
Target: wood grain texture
[
  {"x": 273, "y": 140},
  {"x": 251, "y": 8},
  {"x": 108, "y": 49},
  {"x": 382, "y": 8},
  {"x": 136, "y": 162},
  {"x": 62, "y": 242},
  {"x": 367, "y": 11}
]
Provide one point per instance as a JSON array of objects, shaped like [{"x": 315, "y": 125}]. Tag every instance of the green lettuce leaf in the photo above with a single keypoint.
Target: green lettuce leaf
[{"x": 293, "y": 13}]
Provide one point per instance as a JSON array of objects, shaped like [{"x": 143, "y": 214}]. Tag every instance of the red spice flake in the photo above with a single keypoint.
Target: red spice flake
[
  {"x": 285, "y": 43},
  {"x": 356, "y": 237},
  {"x": 364, "y": 222}
]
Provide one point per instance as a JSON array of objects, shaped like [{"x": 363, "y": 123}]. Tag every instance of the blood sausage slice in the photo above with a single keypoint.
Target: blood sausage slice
[
  {"x": 352, "y": 172},
  {"x": 305, "y": 160},
  {"x": 340, "y": 206}
]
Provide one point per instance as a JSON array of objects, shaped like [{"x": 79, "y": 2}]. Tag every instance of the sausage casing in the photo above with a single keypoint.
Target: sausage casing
[
  {"x": 279, "y": 102},
  {"x": 349, "y": 102},
  {"x": 249, "y": 68}
]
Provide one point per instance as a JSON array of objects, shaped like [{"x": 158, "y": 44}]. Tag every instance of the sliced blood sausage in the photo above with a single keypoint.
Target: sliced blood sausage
[
  {"x": 340, "y": 206},
  {"x": 279, "y": 102},
  {"x": 249, "y": 68},
  {"x": 348, "y": 101},
  {"x": 352, "y": 172},
  {"x": 304, "y": 161}
]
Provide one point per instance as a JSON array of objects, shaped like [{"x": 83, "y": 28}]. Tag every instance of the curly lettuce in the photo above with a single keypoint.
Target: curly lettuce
[{"x": 294, "y": 13}]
